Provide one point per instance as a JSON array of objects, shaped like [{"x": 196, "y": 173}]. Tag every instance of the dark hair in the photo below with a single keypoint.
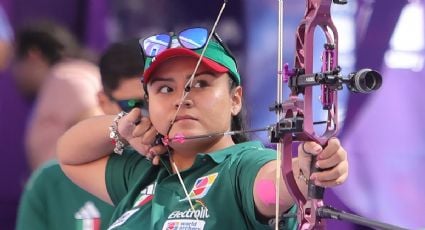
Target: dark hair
[
  {"x": 238, "y": 122},
  {"x": 121, "y": 60},
  {"x": 54, "y": 41}
]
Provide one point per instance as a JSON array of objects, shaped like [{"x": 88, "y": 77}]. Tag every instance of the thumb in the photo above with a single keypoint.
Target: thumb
[
  {"x": 134, "y": 115},
  {"x": 309, "y": 148},
  {"x": 305, "y": 152}
]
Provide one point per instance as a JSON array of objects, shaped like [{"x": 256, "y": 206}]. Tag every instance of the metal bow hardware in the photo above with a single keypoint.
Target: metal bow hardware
[{"x": 295, "y": 115}]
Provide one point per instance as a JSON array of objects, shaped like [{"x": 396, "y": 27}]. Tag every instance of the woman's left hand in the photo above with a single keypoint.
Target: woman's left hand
[{"x": 332, "y": 160}]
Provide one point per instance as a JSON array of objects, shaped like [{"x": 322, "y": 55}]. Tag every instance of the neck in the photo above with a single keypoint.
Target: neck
[{"x": 184, "y": 155}]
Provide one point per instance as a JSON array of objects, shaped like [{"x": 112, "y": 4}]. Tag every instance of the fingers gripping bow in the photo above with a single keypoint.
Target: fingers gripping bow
[{"x": 295, "y": 116}]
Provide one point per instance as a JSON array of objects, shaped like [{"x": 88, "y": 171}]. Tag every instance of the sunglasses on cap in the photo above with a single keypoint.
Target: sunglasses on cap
[
  {"x": 127, "y": 105},
  {"x": 191, "y": 38}
]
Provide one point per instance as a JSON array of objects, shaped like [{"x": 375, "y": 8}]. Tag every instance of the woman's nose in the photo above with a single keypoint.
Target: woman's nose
[{"x": 187, "y": 102}]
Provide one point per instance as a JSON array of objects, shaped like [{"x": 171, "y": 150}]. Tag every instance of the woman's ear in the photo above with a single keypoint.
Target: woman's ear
[{"x": 236, "y": 100}]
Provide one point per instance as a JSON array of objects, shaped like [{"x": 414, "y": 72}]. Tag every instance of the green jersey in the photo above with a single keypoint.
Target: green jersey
[
  {"x": 219, "y": 190},
  {"x": 52, "y": 201}
]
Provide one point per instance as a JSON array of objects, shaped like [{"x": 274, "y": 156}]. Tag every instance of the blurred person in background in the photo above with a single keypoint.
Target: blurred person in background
[
  {"x": 121, "y": 69},
  {"x": 51, "y": 69},
  {"x": 50, "y": 199}
]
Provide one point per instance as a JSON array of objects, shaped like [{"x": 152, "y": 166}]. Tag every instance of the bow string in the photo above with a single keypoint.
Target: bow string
[{"x": 295, "y": 115}]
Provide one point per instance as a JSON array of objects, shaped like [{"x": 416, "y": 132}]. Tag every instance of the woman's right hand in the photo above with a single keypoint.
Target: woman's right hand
[{"x": 139, "y": 132}]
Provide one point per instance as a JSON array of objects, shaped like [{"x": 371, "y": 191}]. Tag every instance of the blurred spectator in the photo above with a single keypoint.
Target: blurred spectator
[
  {"x": 51, "y": 200},
  {"x": 49, "y": 67},
  {"x": 121, "y": 69},
  {"x": 39, "y": 46}
]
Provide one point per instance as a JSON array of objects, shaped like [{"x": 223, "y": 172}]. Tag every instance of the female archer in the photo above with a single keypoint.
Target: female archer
[{"x": 210, "y": 182}]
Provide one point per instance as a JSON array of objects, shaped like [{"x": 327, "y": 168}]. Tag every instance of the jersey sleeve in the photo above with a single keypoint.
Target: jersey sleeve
[
  {"x": 32, "y": 210},
  {"x": 123, "y": 171},
  {"x": 247, "y": 169}
]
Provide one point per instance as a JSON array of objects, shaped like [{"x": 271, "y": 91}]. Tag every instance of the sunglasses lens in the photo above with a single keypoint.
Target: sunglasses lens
[
  {"x": 154, "y": 45},
  {"x": 193, "y": 38},
  {"x": 128, "y": 105}
]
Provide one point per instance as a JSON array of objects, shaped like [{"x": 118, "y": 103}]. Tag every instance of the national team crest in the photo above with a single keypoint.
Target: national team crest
[
  {"x": 145, "y": 196},
  {"x": 202, "y": 186}
]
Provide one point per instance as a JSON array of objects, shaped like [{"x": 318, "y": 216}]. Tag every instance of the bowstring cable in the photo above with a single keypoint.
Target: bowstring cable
[
  {"x": 279, "y": 100},
  {"x": 186, "y": 91}
]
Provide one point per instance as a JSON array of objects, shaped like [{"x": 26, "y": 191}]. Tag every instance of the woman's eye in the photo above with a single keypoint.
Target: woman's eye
[
  {"x": 200, "y": 84},
  {"x": 165, "y": 89}
]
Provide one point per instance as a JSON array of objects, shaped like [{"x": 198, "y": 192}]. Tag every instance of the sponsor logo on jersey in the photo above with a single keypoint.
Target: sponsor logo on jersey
[
  {"x": 145, "y": 195},
  {"x": 201, "y": 213},
  {"x": 201, "y": 187},
  {"x": 184, "y": 225}
]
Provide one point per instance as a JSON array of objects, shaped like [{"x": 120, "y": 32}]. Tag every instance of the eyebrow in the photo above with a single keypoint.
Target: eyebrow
[{"x": 158, "y": 78}]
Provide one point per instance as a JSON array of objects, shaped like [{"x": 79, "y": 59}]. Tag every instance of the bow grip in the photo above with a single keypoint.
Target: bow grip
[{"x": 314, "y": 191}]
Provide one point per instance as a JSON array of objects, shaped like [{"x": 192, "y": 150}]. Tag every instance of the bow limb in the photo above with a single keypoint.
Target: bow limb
[{"x": 297, "y": 122}]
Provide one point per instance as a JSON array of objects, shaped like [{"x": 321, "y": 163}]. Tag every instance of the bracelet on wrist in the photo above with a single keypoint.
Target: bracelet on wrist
[{"x": 117, "y": 140}]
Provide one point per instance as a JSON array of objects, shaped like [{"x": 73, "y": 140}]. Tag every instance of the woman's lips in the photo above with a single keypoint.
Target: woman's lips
[{"x": 184, "y": 117}]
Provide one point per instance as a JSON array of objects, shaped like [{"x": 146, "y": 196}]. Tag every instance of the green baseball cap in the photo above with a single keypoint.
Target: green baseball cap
[{"x": 215, "y": 57}]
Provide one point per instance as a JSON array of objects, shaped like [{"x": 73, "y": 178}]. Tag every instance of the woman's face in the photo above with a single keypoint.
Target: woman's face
[{"x": 208, "y": 107}]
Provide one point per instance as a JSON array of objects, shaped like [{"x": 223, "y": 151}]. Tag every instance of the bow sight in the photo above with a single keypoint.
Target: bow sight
[
  {"x": 295, "y": 115},
  {"x": 362, "y": 81}
]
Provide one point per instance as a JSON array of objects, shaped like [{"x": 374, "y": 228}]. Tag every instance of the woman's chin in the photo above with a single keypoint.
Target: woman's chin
[{"x": 182, "y": 134}]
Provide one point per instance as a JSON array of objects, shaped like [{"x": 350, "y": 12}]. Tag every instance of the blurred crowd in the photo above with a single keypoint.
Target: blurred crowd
[
  {"x": 60, "y": 83},
  {"x": 50, "y": 79}
]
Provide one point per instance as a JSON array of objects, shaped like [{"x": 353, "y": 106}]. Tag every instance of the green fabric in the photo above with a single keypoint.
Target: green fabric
[
  {"x": 220, "y": 185},
  {"x": 51, "y": 201}
]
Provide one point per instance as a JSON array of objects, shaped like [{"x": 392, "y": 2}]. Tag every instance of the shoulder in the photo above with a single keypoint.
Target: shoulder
[
  {"x": 245, "y": 156},
  {"x": 72, "y": 77},
  {"x": 75, "y": 70},
  {"x": 253, "y": 150},
  {"x": 72, "y": 85},
  {"x": 64, "y": 68},
  {"x": 46, "y": 175},
  {"x": 129, "y": 162}
]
